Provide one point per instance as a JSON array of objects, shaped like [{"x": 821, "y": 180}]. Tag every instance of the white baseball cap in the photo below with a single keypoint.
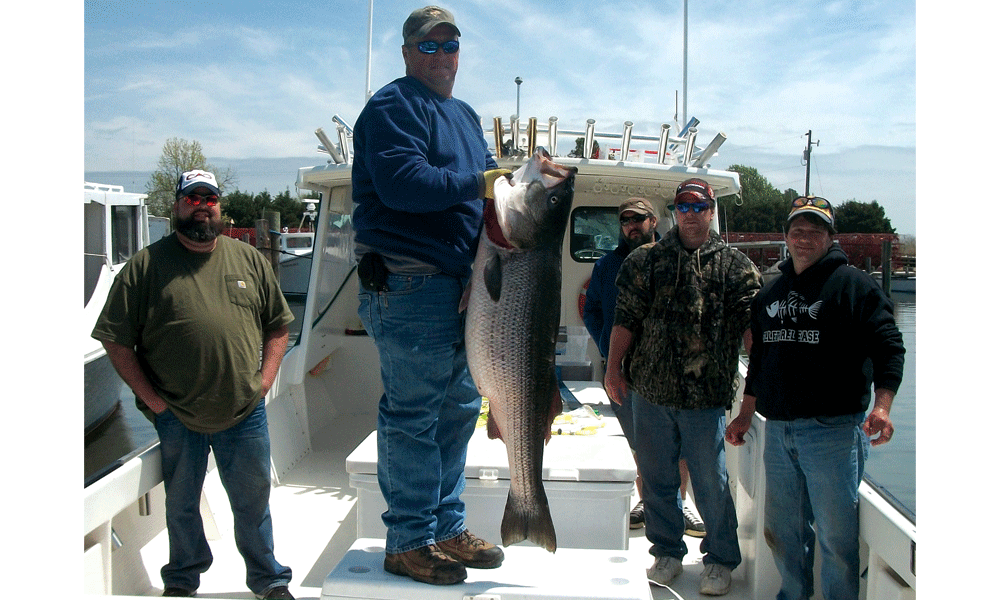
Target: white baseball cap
[{"x": 194, "y": 179}]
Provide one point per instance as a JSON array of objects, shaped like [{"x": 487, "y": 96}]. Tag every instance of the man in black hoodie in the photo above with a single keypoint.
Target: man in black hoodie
[{"x": 823, "y": 332}]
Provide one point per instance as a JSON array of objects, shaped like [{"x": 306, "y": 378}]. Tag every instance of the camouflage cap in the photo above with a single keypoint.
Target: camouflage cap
[{"x": 421, "y": 21}]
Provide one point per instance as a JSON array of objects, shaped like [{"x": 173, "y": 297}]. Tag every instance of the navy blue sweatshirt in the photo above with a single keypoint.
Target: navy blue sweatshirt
[
  {"x": 417, "y": 162},
  {"x": 602, "y": 294},
  {"x": 820, "y": 340}
]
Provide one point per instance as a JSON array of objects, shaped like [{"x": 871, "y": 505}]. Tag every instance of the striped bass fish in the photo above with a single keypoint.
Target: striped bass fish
[{"x": 511, "y": 328}]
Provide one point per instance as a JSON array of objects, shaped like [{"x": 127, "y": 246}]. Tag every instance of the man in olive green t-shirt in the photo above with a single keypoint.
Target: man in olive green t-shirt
[{"x": 197, "y": 326}]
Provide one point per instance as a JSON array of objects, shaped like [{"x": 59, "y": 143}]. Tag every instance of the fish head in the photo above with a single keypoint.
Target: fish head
[{"x": 532, "y": 207}]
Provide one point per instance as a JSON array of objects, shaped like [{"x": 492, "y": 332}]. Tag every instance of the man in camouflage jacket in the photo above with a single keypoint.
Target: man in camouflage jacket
[{"x": 683, "y": 308}]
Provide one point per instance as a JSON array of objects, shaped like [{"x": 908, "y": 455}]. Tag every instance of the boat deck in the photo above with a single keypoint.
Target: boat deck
[{"x": 315, "y": 524}]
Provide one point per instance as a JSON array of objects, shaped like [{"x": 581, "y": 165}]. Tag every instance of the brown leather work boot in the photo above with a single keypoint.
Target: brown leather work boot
[
  {"x": 472, "y": 551},
  {"x": 427, "y": 564}
]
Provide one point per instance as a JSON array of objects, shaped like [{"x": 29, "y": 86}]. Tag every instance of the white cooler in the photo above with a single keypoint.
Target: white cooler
[
  {"x": 526, "y": 574},
  {"x": 588, "y": 473}
]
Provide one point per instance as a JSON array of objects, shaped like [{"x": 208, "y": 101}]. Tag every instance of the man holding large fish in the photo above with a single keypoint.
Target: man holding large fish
[
  {"x": 683, "y": 308},
  {"x": 421, "y": 171}
]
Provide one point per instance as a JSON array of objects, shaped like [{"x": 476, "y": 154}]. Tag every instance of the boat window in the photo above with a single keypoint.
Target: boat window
[
  {"x": 124, "y": 233},
  {"x": 93, "y": 247},
  {"x": 594, "y": 231},
  {"x": 299, "y": 242}
]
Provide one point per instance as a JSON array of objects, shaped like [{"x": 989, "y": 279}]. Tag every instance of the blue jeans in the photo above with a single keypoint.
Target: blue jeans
[
  {"x": 428, "y": 412},
  {"x": 813, "y": 468},
  {"x": 663, "y": 436},
  {"x": 625, "y": 417},
  {"x": 243, "y": 457}
]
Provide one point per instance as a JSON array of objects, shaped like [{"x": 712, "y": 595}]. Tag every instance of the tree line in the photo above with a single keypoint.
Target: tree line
[
  {"x": 761, "y": 209},
  {"x": 239, "y": 209}
]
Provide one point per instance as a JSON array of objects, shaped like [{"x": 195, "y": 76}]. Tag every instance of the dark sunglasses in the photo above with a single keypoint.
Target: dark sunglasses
[
  {"x": 633, "y": 219},
  {"x": 820, "y": 203},
  {"x": 697, "y": 207},
  {"x": 429, "y": 47},
  {"x": 198, "y": 199}
]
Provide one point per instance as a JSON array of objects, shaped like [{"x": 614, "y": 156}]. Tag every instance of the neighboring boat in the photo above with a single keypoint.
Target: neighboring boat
[
  {"x": 323, "y": 407},
  {"x": 899, "y": 282},
  {"x": 296, "y": 257},
  {"x": 903, "y": 284},
  {"x": 115, "y": 226},
  {"x": 771, "y": 271}
]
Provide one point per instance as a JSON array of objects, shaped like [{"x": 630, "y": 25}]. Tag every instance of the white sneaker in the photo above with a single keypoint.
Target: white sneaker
[
  {"x": 715, "y": 580},
  {"x": 664, "y": 570}
]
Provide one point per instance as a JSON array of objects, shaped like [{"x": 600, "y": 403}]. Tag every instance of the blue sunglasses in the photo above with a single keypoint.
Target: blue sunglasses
[
  {"x": 697, "y": 207},
  {"x": 429, "y": 47}
]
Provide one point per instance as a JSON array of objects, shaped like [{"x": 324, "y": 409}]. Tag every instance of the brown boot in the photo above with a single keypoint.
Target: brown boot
[
  {"x": 472, "y": 551},
  {"x": 427, "y": 564}
]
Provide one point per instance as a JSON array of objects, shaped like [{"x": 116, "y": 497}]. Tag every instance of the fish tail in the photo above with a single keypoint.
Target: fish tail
[{"x": 528, "y": 522}]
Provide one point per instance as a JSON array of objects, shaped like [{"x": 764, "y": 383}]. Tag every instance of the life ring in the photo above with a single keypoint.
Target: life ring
[{"x": 583, "y": 297}]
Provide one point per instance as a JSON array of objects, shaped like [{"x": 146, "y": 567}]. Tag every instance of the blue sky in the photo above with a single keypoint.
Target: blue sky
[{"x": 253, "y": 80}]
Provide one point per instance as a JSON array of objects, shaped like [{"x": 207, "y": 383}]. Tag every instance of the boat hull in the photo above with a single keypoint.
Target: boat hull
[
  {"x": 293, "y": 275},
  {"x": 102, "y": 393}
]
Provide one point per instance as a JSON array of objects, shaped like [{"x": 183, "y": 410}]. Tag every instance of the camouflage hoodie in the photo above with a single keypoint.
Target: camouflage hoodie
[{"x": 687, "y": 312}]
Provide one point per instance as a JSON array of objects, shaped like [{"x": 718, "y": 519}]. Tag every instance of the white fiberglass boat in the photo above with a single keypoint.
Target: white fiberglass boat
[
  {"x": 323, "y": 408},
  {"x": 115, "y": 226}
]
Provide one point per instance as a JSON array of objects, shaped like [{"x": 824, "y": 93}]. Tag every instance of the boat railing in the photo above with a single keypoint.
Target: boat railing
[
  {"x": 680, "y": 149},
  {"x": 103, "y": 187},
  {"x": 106, "y": 500},
  {"x": 340, "y": 151},
  {"x": 890, "y": 499},
  {"x": 671, "y": 150}
]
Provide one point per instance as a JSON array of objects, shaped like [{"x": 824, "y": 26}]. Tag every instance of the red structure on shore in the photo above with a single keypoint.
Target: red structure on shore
[{"x": 864, "y": 250}]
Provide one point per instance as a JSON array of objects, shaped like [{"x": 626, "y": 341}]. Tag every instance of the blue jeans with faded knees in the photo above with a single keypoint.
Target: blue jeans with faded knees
[
  {"x": 663, "y": 436},
  {"x": 813, "y": 468},
  {"x": 243, "y": 457},
  {"x": 428, "y": 412}
]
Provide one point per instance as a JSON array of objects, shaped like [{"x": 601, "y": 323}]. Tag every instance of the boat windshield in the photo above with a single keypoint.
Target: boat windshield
[
  {"x": 595, "y": 232},
  {"x": 299, "y": 241}
]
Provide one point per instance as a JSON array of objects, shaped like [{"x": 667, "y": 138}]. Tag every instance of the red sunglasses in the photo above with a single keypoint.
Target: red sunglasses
[{"x": 198, "y": 199}]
